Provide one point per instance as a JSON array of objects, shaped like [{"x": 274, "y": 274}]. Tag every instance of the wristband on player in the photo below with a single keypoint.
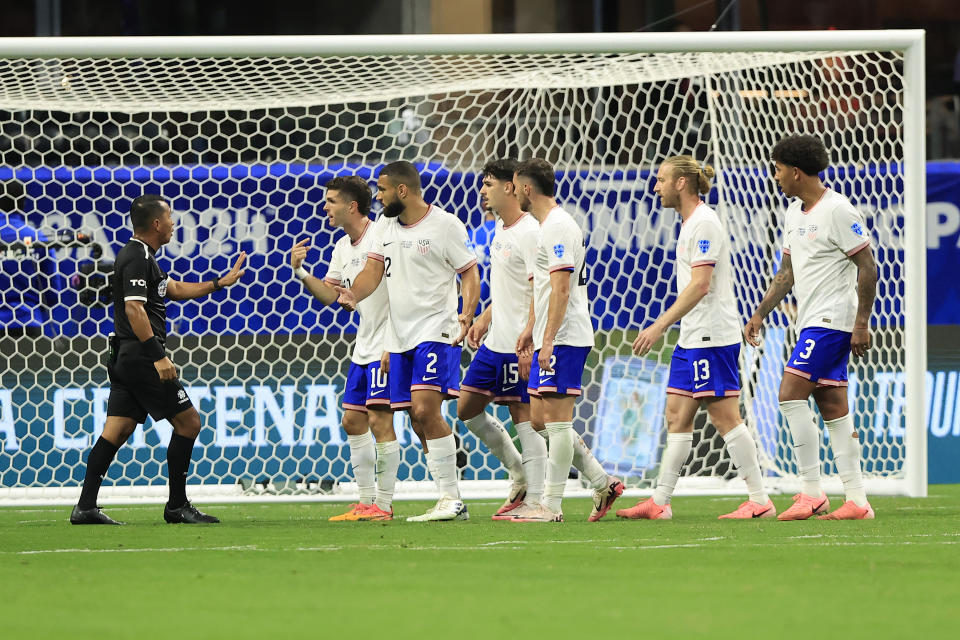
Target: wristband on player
[
  {"x": 301, "y": 273},
  {"x": 216, "y": 284},
  {"x": 152, "y": 349}
]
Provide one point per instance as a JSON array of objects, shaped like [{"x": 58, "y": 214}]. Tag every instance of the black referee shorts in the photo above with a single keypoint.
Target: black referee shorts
[{"x": 136, "y": 388}]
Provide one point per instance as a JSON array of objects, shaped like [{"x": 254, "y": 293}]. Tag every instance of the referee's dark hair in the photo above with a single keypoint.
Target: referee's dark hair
[
  {"x": 540, "y": 173},
  {"x": 805, "y": 152},
  {"x": 502, "y": 169},
  {"x": 355, "y": 189},
  {"x": 146, "y": 209},
  {"x": 403, "y": 172}
]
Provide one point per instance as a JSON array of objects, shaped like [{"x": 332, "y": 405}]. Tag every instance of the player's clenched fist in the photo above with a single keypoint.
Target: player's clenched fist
[{"x": 751, "y": 332}]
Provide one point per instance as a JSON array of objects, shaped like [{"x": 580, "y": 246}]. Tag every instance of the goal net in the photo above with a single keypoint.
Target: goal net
[{"x": 241, "y": 140}]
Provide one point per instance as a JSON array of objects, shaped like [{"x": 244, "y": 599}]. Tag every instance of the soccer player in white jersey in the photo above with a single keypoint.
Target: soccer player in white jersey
[
  {"x": 828, "y": 263},
  {"x": 418, "y": 250},
  {"x": 374, "y": 457},
  {"x": 703, "y": 369},
  {"x": 494, "y": 373},
  {"x": 559, "y": 336}
]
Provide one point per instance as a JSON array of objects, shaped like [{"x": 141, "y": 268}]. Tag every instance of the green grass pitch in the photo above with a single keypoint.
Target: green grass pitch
[{"x": 283, "y": 571}]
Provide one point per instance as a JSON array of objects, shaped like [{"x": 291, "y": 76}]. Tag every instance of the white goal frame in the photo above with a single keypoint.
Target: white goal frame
[{"x": 909, "y": 42}]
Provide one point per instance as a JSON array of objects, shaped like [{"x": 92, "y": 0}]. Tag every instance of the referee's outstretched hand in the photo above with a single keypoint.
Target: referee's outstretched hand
[{"x": 236, "y": 272}]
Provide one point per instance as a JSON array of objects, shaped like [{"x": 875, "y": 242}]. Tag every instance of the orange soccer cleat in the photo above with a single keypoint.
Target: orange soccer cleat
[
  {"x": 647, "y": 510},
  {"x": 373, "y": 513},
  {"x": 805, "y": 506},
  {"x": 749, "y": 510},
  {"x": 356, "y": 510},
  {"x": 850, "y": 511}
]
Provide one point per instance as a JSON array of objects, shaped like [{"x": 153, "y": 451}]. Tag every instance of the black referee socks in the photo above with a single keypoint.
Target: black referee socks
[
  {"x": 98, "y": 462},
  {"x": 179, "y": 452}
]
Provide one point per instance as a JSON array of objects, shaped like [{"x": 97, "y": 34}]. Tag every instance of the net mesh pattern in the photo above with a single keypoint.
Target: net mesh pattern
[{"x": 242, "y": 148}]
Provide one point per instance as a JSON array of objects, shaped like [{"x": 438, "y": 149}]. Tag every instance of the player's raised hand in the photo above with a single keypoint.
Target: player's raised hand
[
  {"x": 465, "y": 320},
  {"x": 298, "y": 253},
  {"x": 346, "y": 300},
  {"x": 646, "y": 339},
  {"x": 236, "y": 272},
  {"x": 860, "y": 341},
  {"x": 165, "y": 369},
  {"x": 751, "y": 332}
]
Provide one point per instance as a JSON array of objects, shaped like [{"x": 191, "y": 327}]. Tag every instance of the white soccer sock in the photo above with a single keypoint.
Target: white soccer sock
[
  {"x": 443, "y": 456},
  {"x": 743, "y": 451},
  {"x": 559, "y": 459},
  {"x": 806, "y": 443},
  {"x": 492, "y": 433},
  {"x": 388, "y": 461},
  {"x": 363, "y": 459},
  {"x": 534, "y": 458},
  {"x": 588, "y": 466},
  {"x": 674, "y": 455},
  {"x": 846, "y": 453}
]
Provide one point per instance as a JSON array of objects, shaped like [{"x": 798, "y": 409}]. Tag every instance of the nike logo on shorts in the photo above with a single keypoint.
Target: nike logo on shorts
[
  {"x": 798, "y": 362},
  {"x": 702, "y": 384},
  {"x": 378, "y": 391},
  {"x": 430, "y": 378}
]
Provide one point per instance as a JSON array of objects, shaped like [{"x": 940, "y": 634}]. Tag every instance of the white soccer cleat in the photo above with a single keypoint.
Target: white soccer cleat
[
  {"x": 535, "y": 513},
  {"x": 445, "y": 509},
  {"x": 517, "y": 493}
]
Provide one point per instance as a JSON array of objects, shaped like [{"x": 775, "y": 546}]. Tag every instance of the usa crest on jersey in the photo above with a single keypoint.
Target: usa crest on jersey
[{"x": 423, "y": 246}]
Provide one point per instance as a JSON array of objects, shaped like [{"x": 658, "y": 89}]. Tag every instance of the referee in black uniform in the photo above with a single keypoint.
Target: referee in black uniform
[{"x": 142, "y": 378}]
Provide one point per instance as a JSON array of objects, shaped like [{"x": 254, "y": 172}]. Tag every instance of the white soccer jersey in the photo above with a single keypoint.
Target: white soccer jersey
[
  {"x": 714, "y": 321},
  {"x": 512, "y": 260},
  {"x": 561, "y": 248},
  {"x": 421, "y": 263},
  {"x": 820, "y": 243},
  {"x": 348, "y": 260}
]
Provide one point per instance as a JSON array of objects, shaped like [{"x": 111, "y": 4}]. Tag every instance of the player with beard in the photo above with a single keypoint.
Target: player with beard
[
  {"x": 419, "y": 250},
  {"x": 704, "y": 368},
  {"x": 367, "y": 417}
]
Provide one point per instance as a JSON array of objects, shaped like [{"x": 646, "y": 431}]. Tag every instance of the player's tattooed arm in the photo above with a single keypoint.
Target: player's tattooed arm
[
  {"x": 177, "y": 290},
  {"x": 866, "y": 293},
  {"x": 779, "y": 287}
]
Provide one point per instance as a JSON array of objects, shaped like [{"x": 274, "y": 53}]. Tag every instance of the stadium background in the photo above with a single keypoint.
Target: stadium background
[{"x": 246, "y": 206}]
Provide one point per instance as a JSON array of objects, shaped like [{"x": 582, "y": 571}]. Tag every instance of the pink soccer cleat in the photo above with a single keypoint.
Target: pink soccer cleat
[
  {"x": 647, "y": 510},
  {"x": 517, "y": 493},
  {"x": 850, "y": 511},
  {"x": 805, "y": 506},
  {"x": 603, "y": 499},
  {"x": 751, "y": 509},
  {"x": 373, "y": 513}
]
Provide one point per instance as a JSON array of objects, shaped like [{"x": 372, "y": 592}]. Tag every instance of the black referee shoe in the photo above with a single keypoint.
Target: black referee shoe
[
  {"x": 187, "y": 514},
  {"x": 90, "y": 516}
]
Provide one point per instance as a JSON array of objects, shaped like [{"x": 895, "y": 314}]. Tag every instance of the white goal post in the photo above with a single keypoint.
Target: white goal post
[{"x": 241, "y": 133}]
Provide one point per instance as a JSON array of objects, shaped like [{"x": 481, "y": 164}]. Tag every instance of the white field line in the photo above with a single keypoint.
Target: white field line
[{"x": 508, "y": 545}]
